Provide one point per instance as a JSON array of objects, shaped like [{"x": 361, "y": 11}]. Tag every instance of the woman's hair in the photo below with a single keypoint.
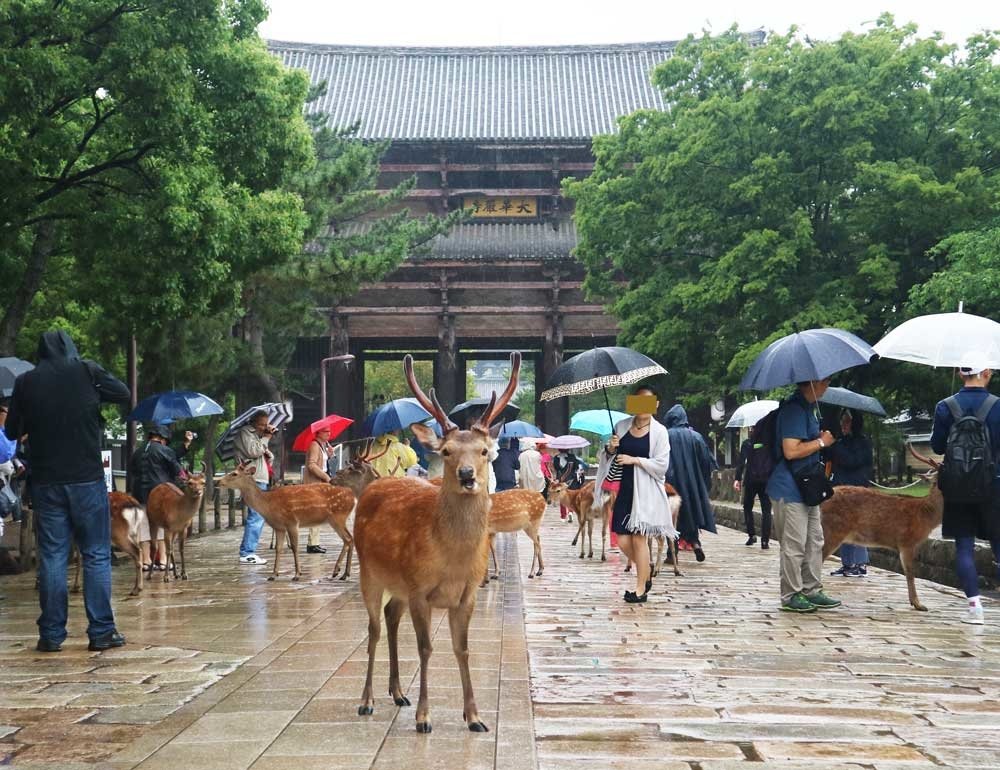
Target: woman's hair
[{"x": 649, "y": 388}]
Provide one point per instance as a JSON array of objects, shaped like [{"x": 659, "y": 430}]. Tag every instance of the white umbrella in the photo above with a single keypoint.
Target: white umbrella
[
  {"x": 750, "y": 414},
  {"x": 943, "y": 339}
]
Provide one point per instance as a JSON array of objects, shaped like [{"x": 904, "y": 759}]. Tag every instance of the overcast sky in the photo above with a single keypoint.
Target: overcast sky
[{"x": 538, "y": 22}]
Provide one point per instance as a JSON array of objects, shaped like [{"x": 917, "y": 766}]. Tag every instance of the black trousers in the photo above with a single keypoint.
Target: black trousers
[{"x": 752, "y": 489}]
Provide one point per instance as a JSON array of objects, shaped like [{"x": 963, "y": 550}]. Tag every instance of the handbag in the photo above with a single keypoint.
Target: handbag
[
  {"x": 613, "y": 481},
  {"x": 813, "y": 484}
]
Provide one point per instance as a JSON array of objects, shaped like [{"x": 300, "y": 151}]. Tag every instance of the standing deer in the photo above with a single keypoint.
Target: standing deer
[
  {"x": 288, "y": 508},
  {"x": 426, "y": 547},
  {"x": 171, "y": 509},
  {"x": 127, "y": 518},
  {"x": 581, "y": 502},
  {"x": 513, "y": 511},
  {"x": 674, "y": 500},
  {"x": 865, "y": 516}
]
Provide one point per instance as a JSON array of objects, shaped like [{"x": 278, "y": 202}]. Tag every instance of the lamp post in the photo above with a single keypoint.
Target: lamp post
[{"x": 346, "y": 358}]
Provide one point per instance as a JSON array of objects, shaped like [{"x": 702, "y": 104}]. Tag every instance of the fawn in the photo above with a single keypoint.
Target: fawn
[{"x": 171, "y": 509}]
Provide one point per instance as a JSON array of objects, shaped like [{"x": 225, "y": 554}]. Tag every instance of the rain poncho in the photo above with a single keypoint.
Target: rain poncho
[
  {"x": 690, "y": 473},
  {"x": 387, "y": 464}
]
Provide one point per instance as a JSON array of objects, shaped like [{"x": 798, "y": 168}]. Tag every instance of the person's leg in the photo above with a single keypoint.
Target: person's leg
[
  {"x": 54, "y": 535},
  {"x": 965, "y": 566},
  {"x": 252, "y": 529},
  {"x": 765, "y": 516},
  {"x": 848, "y": 555},
  {"x": 748, "y": 493},
  {"x": 313, "y": 537},
  {"x": 812, "y": 563},
  {"x": 91, "y": 520},
  {"x": 792, "y": 521}
]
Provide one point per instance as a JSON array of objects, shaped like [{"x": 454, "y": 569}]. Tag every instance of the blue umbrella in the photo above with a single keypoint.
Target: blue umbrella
[
  {"x": 814, "y": 354},
  {"x": 520, "y": 429},
  {"x": 397, "y": 414},
  {"x": 174, "y": 405},
  {"x": 599, "y": 421},
  {"x": 851, "y": 400}
]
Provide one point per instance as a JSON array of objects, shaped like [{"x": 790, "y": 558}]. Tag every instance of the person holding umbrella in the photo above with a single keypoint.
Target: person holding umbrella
[
  {"x": 250, "y": 446},
  {"x": 968, "y": 515},
  {"x": 315, "y": 473},
  {"x": 152, "y": 464},
  {"x": 851, "y": 460}
]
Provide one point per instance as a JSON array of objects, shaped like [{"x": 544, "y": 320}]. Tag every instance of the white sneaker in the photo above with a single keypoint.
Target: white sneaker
[
  {"x": 252, "y": 559},
  {"x": 974, "y": 615}
]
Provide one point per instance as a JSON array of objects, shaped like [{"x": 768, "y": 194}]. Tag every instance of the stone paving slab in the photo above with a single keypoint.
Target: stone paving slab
[{"x": 228, "y": 671}]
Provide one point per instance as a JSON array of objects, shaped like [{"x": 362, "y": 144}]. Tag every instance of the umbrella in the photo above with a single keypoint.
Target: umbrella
[
  {"x": 174, "y": 405},
  {"x": 569, "y": 442},
  {"x": 943, "y": 339},
  {"x": 520, "y": 429},
  {"x": 750, "y": 414},
  {"x": 277, "y": 415},
  {"x": 395, "y": 415},
  {"x": 599, "y": 421},
  {"x": 10, "y": 369},
  {"x": 851, "y": 400},
  {"x": 475, "y": 407},
  {"x": 814, "y": 354},
  {"x": 598, "y": 369},
  {"x": 332, "y": 422}
]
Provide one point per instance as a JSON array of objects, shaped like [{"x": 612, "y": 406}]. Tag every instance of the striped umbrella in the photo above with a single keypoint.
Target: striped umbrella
[{"x": 277, "y": 415}]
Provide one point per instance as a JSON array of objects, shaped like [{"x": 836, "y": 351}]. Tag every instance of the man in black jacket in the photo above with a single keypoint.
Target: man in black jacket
[
  {"x": 58, "y": 405},
  {"x": 749, "y": 481},
  {"x": 152, "y": 464}
]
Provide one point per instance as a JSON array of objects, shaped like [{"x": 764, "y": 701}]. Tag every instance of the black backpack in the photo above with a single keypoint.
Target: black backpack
[
  {"x": 968, "y": 468},
  {"x": 764, "y": 454}
]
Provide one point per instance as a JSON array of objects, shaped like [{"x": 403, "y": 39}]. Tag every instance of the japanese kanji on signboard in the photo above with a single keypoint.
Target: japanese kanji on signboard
[{"x": 490, "y": 207}]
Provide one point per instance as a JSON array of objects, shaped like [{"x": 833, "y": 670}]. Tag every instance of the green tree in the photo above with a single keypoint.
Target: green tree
[{"x": 791, "y": 184}]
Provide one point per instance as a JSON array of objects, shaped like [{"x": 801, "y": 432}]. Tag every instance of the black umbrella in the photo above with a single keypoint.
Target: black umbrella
[
  {"x": 474, "y": 408},
  {"x": 851, "y": 400},
  {"x": 10, "y": 368},
  {"x": 600, "y": 369}
]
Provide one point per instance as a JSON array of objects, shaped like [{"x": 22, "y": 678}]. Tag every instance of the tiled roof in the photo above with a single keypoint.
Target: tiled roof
[
  {"x": 413, "y": 94},
  {"x": 494, "y": 241}
]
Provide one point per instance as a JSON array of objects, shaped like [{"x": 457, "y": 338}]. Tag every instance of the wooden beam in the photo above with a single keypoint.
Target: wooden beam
[
  {"x": 431, "y": 286},
  {"x": 413, "y": 168},
  {"x": 515, "y": 192},
  {"x": 424, "y": 310}
]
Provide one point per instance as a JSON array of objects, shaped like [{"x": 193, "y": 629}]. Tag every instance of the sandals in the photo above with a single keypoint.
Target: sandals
[{"x": 632, "y": 598}]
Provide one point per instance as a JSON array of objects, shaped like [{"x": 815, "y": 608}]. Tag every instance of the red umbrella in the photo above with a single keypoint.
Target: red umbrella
[{"x": 332, "y": 422}]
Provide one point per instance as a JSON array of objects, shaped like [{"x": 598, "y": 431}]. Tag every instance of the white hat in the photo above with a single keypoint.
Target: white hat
[{"x": 976, "y": 362}]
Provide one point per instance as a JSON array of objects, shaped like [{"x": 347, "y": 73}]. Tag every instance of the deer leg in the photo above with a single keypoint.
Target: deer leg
[
  {"x": 293, "y": 541},
  {"x": 393, "y": 612},
  {"x": 133, "y": 551},
  {"x": 493, "y": 553},
  {"x": 420, "y": 614},
  {"x": 348, "y": 540},
  {"x": 458, "y": 622},
  {"x": 168, "y": 554},
  {"x": 279, "y": 540},
  {"x": 183, "y": 539},
  {"x": 590, "y": 535},
  {"x": 579, "y": 531},
  {"x": 672, "y": 550},
  {"x": 536, "y": 540},
  {"x": 907, "y": 556},
  {"x": 604, "y": 536},
  {"x": 372, "y": 595}
]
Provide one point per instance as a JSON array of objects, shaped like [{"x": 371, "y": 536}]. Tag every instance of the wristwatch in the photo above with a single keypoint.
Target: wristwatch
[{"x": 820, "y": 440}]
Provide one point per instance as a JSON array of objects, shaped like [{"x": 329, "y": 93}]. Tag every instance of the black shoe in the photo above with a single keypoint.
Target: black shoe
[
  {"x": 764, "y": 545},
  {"x": 752, "y": 540},
  {"x": 44, "y": 645},
  {"x": 698, "y": 553},
  {"x": 315, "y": 549},
  {"x": 106, "y": 642},
  {"x": 632, "y": 598},
  {"x": 649, "y": 584}
]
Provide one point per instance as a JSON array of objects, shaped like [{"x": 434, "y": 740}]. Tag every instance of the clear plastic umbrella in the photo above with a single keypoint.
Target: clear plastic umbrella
[
  {"x": 751, "y": 413},
  {"x": 943, "y": 339}
]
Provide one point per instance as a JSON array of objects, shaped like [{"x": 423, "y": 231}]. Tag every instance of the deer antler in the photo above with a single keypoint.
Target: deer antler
[
  {"x": 370, "y": 458},
  {"x": 430, "y": 404},
  {"x": 498, "y": 405},
  {"x": 926, "y": 460}
]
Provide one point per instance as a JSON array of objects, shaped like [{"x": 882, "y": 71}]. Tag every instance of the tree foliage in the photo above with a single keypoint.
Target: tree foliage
[{"x": 789, "y": 185}]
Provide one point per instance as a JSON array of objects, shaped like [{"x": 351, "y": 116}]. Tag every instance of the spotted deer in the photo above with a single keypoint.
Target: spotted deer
[
  {"x": 425, "y": 546},
  {"x": 517, "y": 510},
  {"x": 581, "y": 502}
]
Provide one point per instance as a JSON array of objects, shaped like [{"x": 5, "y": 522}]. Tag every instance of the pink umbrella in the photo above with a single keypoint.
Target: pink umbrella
[{"x": 568, "y": 441}]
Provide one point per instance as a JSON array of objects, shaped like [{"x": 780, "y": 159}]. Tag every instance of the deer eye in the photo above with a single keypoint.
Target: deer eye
[{"x": 485, "y": 452}]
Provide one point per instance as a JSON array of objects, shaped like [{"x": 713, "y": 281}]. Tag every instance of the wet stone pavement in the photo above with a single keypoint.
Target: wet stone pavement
[{"x": 227, "y": 671}]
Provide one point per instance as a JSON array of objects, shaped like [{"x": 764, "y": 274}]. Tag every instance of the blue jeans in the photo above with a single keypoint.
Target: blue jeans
[
  {"x": 965, "y": 564},
  {"x": 853, "y": 555},
  {"x": 251, "y": 529},
  {"x": 65, "y": 513}
]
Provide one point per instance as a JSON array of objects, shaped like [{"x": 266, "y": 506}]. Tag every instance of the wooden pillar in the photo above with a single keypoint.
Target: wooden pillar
[
  {"x": 447, "y": 372},
  {"x": 553, "y": 416}
]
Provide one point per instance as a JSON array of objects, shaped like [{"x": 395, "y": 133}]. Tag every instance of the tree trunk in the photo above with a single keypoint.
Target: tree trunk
[
  {"x": 258, "y": 385},
  {"x": 23, "y": 294}
]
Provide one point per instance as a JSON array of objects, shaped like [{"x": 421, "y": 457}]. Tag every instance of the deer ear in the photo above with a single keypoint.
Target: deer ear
[
  {"x": 495, "y": 429},
  {"x": 426, "y": 436}
]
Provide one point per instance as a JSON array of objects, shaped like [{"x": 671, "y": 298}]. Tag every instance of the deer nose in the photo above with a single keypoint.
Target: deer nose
[{"x": 466, "y": 473}]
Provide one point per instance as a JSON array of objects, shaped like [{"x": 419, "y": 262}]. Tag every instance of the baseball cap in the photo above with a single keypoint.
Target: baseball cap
[{"x": 975, "y": 362}]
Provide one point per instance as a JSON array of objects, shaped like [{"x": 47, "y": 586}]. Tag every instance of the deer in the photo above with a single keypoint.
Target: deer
[
  {"x": 170, "y": 508},
  {"x": 581, "y": 502},
  {"x": 425, "y": 546},
  {"x": 674, "y": 501},
  {"x": 298, "y": 505},
  {"x": 865, "y": 516},
  {"x": 517, "y": 510},
  {"x": 127, "y": 518}
]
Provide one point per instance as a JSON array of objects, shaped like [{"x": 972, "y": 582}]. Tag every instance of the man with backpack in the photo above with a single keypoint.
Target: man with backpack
[
  {"x": 752, "y": 472},
  {"x": 967, "y": 432}
]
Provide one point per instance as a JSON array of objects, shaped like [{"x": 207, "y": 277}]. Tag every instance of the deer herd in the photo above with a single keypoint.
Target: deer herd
[{"x": 438, "y": 559}]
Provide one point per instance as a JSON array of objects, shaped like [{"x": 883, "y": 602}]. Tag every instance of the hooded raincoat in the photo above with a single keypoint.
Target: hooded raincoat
[
  {"x": 58, "y": 404},
  {"x": 690, "y": 474}
]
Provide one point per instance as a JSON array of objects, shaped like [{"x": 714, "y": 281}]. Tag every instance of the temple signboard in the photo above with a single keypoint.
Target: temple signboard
[{"x": 495, "y": 207}]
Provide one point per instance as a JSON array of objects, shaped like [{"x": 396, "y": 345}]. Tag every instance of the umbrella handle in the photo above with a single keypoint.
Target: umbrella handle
[{"x": 611, "y": 420}]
